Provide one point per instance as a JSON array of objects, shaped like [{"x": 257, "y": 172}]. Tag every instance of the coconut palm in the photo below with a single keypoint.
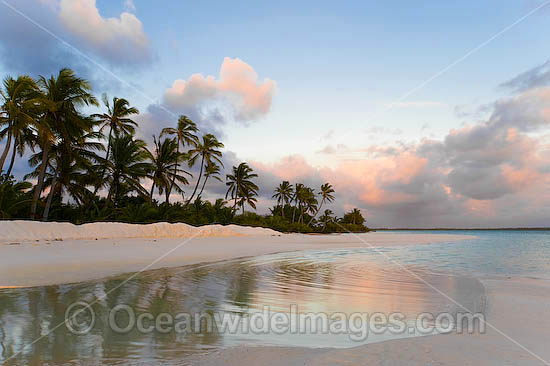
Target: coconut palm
[
  {"x": 295, "y": 198},
  {"x": 210, "y": 170},
  {"x": 326, "y": 217},
  {"x": 13, "y": 196},
  {"x": 208, "y": 152},
  {"x": 185, "y": 133},
  {"x": 307, "y": 202},
  {"x": 17, "y": 115},
  {"x": 127, "y": 165},
  {"x": 165, "y": 171},
  {"x": 69, "y": 174},
  {"x": 62, "y": 96},
  {"x": 248, "y": 195},
  {"x": 326, "y": 196},
  {"x": 283, "y": 194},
  {"x": 354, "y": 217},
  {"x": 241, "y": 188},
  {"x": 117, "y": 121}
]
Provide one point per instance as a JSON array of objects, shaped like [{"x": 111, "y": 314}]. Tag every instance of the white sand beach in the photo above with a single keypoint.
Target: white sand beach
[
  {"x": 47, "y": 253},
  {"x": 36, "y": 253}
]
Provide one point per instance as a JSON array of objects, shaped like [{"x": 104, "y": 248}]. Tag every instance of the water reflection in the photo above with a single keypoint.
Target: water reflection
[{"x": 328, "y": 281}]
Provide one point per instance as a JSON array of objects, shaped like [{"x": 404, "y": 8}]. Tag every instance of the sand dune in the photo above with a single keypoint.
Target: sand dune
[{"x": 35, "y": 230}]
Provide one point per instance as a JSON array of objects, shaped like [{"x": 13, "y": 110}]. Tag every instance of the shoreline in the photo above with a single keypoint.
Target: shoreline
[
  {"x": 44, "y": 256},
  {"x": 518, "y": 337},
  {"x": 516, "y": 306}
]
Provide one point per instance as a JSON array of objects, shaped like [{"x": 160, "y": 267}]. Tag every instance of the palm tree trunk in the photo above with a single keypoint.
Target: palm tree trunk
[
  {"x": 6, "y": 150},
  {"x": 168, "y": 191},
  {"x": 176, "y": 167},
  {"x": 203, "y": 184},
  {"x": 152, "y": 191},
  {"x": 301, "y": 218},
  {"x": 113, "y": 189},
  {"x": 8, "y": 173},
  {"x": 196, "y": 185},
  {"x": 316, "y": 212},
  {"x": 105, "y": 166},
  {"x": 50, "y": 197},
  {"x": 40, "y": 182},
  {"x": 294, "y": 214}
]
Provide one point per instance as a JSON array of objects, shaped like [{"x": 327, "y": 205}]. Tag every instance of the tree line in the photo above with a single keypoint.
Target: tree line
[{"x": 87, "y": 168}]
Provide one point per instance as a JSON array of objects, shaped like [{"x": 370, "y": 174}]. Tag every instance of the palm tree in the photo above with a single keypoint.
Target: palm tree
[
  {"x": 62, "y": 96},
  {"x": 354, "y": 217},
  {"x": 69, "y": 173},
  {"x": 326, "y": 217},
  {"x": 308, "y": 202},
  {"x": 185, "y": 133},
  {"x": 165, "y": 171},
  {"x": 13, "y": 196},
  {"x": 208, "y": 152},
  {"x": 283, "y": 194},
  {"x": 210, "y": 170},
  {"x": 117, "y": 120},
  {"x": 248, "y": 195},
  {"x": 126, "y": 167},
  {"x": 297, "y": 188},
  {"x": 326, "y": 196},
  {"x": 241, "y": 188},
  {"x": 17, "y": 114}
]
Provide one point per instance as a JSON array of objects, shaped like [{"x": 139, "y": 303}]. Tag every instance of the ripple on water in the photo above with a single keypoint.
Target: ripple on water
[{"x": 343, "y": 281}]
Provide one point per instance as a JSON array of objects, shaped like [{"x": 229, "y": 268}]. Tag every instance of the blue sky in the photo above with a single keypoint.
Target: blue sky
[
  {"x": 335, "y": 68},
  {"x": 342, "y": 63}
]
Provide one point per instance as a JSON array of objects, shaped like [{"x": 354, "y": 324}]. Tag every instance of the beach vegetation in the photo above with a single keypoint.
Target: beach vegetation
[{"x": 94, "y": 167}]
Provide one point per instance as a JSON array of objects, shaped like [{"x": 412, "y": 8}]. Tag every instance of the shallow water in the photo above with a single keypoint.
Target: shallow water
[
  {"x": 409, "y": 279},
  {"x": 489, "y": 252},
  {"x": 326, "y": 282}
]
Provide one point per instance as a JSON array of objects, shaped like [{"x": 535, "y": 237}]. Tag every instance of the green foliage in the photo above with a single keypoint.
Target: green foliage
[
  {"x": 15, "y": 199},
  {"x": 241, "y": 187},
  {"x": 93, "y": 167},
  {"x": 353, "y": 217}
]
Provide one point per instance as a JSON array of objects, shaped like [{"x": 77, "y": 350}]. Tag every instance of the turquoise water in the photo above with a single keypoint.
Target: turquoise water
[
  {"x": 405, "y": 279},
  {"x": 491, "y": 252}
]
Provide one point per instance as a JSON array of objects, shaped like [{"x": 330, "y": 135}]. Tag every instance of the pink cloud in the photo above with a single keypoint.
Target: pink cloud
[
  {"x": 291, "y": 168},
  {"x": 238, "y": 85}
]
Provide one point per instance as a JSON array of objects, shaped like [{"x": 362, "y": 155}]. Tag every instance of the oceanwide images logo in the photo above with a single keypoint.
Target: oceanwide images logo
[{"x": 80, "y": 319}]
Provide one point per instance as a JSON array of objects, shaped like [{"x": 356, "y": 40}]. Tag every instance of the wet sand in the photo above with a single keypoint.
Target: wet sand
[
  {"x": 47, "y": 255},
  {"x": 518, "y": 309}
]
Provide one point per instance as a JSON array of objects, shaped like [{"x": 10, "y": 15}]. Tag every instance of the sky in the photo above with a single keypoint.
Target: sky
[{"x": 421, "y": 114}]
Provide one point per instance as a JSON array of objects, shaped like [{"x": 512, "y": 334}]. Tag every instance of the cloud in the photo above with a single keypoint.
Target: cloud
[
  {"x": 533, "y": 78},
  {"x": 331, "y": 149},
  {"x": 492, "y": 173},
  {"x": 120, "y": 40},
  {"x": 26, "y": 48},
  {"x": 236, "y": 94},
  {"x": 211, "y": 103},
  {"x": 30, "y": 49},
  {"x": 471, "y": 111}
]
